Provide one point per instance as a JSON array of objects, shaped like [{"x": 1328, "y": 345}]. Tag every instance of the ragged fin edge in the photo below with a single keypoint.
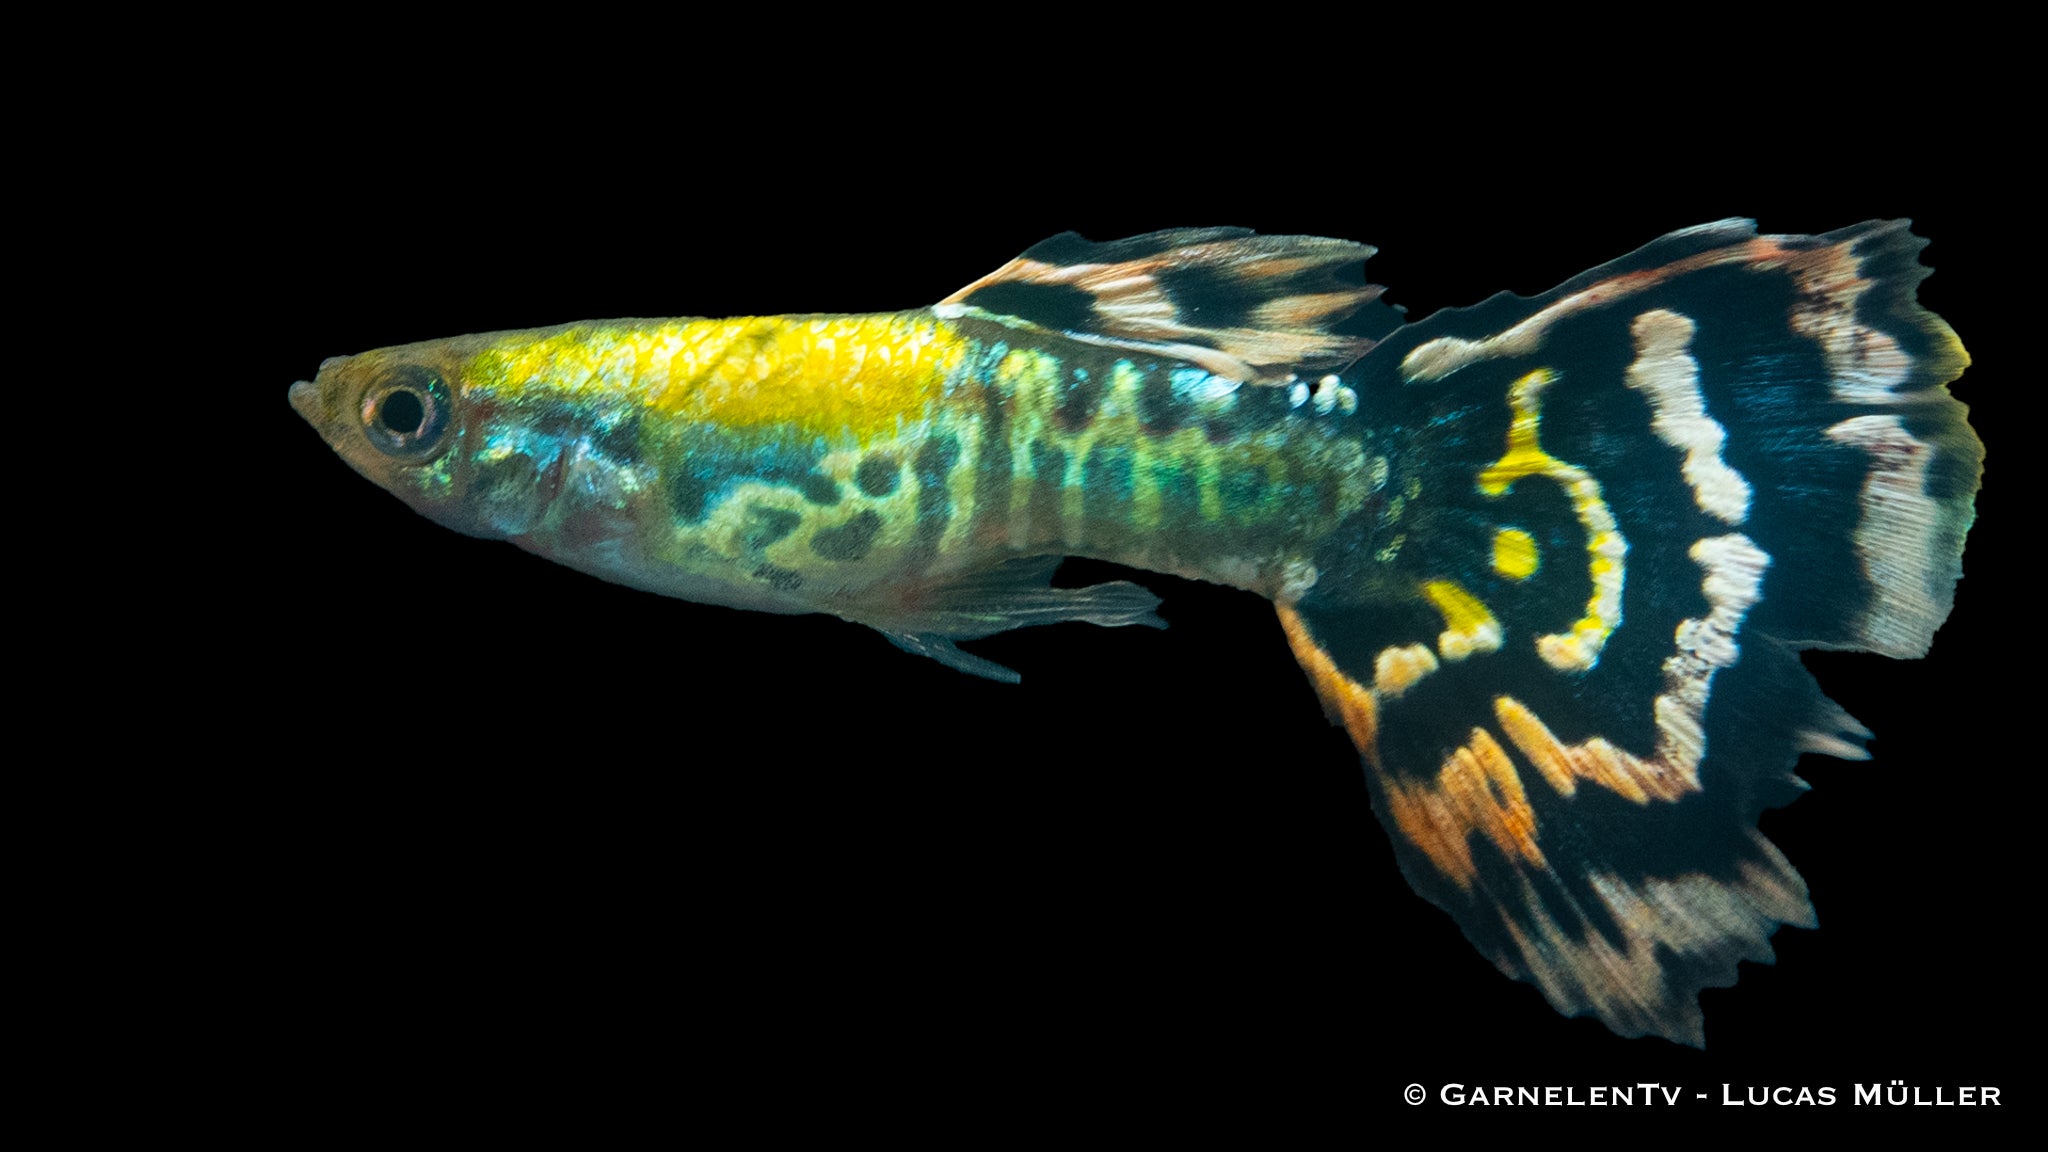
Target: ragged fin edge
[
  {"x": 1600, "y": 942},
  {"x": 1019, "y": 594},
  {"x": 1883, "y": 350},
  {"x": 1558, "y": 860},
  {"x": 1919, "y": 498},
  {"x": 1244, "y": 307},
  {"x": 1710, "y": 922}
]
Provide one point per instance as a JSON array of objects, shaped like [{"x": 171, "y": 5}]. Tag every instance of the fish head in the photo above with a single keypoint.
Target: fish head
[{"x": 411, "y": 420}]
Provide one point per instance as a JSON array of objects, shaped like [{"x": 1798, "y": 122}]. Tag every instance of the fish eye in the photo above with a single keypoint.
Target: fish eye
[{"x": 405, "y": 411}]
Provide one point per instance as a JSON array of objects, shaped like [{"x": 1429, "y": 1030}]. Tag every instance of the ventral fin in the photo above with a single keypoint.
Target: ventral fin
[
  {"x": 1019, "y": 594},
  {"x": 946, "y": 652},
  {"x": 1244, "y": 307}
]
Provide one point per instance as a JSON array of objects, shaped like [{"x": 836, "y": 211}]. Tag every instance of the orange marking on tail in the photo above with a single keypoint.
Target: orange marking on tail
[
  {"x": 1347, "y": 700},
  {"x": 1619, "y": 771},
  {"x": 1476, "y": 790}
]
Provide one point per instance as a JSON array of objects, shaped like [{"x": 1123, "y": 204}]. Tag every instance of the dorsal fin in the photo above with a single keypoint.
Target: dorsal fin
[{"x": 1243, "y": 306}]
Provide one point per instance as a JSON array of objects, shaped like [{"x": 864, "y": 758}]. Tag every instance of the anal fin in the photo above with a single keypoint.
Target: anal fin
[{"x": 1019, "y": 594}]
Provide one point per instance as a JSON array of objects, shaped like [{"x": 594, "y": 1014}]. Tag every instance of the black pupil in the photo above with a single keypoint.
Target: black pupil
[{"x": 402, "y": 412}]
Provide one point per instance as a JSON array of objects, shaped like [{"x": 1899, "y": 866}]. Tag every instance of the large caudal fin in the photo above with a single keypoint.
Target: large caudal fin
[{"x": 1568, "y": 651}]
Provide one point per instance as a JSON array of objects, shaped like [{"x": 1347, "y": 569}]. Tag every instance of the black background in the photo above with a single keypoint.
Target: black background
[{"x": 518, "y": 818}]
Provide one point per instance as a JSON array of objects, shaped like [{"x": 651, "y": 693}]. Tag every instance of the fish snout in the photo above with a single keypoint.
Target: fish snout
[{"x": 305, "y": 397}]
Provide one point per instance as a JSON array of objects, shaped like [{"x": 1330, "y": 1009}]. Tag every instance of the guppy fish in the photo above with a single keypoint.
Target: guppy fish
[{"x": 1548, "y": 561}]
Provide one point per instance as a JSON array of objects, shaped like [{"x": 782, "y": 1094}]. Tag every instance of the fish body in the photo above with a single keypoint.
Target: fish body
[
  {"x": 885, "y": 468},
  {"x": 1545, "y": 560}
]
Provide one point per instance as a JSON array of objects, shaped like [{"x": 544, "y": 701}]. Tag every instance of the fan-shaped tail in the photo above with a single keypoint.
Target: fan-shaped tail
[{"x": 1567, "y": 653}]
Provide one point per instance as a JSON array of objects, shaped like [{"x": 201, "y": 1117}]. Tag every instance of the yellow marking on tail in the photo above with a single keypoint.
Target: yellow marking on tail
[
  {"x": 1514, "y": 553},
  {"x": 1579, "y": 648},
  {"x": 1469, "y": 626}
]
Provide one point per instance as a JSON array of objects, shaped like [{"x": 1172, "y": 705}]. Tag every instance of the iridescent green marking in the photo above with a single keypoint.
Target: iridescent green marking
[
  {"x": 1173, "y": 462},
  {"x": 990, "y": 476},
  {"x": 1244, "y": 491},
  {"x": 1045, "y": 507},
  {"x": 436, "y": 479},
  {"x": 1125, "y": 383},
  {"x": 1107, "y": 481},
  {"x": 1180, "y": 492},
  {"x": 1033, "y": 372},
  {"x": 1009, "y": 462}
]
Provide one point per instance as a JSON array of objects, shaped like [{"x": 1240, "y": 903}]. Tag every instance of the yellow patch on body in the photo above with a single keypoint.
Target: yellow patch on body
[{"x": 861, "y": 376}]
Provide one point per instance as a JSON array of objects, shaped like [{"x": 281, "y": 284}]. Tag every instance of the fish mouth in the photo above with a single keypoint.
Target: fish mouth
[{"x": 305, "y": 397}]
